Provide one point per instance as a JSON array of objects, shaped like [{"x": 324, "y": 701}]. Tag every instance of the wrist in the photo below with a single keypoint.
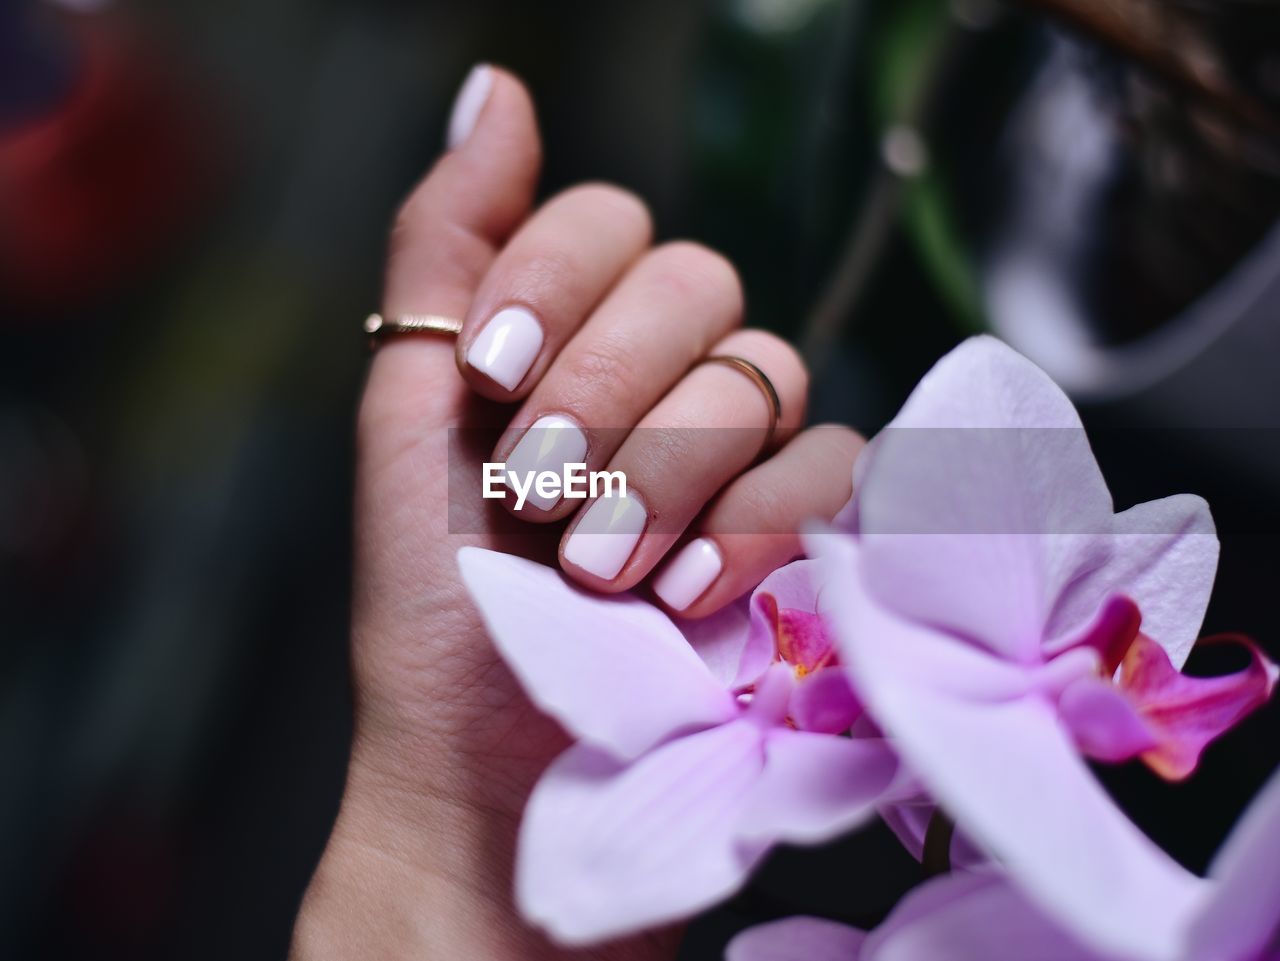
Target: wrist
[{"x": 382, "y": 890}]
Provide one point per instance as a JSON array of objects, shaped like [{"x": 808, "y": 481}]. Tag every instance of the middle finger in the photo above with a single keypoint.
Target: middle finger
[{"x": 662, "y": 317}]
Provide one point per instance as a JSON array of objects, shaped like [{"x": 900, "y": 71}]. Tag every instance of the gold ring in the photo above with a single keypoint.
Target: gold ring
[
  {"x": 761, "y": 380},
  {"x": 379, "y": 327}
]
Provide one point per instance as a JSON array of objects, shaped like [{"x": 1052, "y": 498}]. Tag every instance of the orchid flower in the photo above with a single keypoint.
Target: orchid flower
[
  {"x": 983, "y": 917},
  {"x": 998, "y": 619},
  {"x": 697, "y": 750}
]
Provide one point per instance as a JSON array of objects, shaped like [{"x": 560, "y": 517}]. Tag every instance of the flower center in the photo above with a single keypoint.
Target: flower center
[{"x": 800, "y": 637}]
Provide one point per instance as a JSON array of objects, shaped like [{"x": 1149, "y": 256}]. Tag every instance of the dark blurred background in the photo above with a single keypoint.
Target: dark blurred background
[{"x": 193, "y": 203}]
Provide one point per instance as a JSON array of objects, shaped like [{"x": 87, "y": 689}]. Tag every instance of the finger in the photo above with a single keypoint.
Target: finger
[
  {"x": 753, "y": 526},
  {"x": 705, "y": 432},
  {"x": 660, "y": 319},
  {"x": 545, "y": 282},
  {"x": 445, "y": 237}
]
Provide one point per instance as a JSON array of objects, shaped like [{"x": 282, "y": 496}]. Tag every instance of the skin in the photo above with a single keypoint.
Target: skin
[{"x": 446, "y": 747}]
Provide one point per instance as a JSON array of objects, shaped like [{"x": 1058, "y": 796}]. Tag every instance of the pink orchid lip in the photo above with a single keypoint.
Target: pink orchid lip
[
  {"x": 1144, "y": 706},
  {"x": 800, "y": 637},
  {"x": 1185, "y": 712}
]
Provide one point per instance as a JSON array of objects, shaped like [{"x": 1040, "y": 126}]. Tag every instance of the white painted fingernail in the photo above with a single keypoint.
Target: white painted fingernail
[
  {"x": 468, "y": 103},
  {"x": 687, "y": 577},
  {"x": 548, "y": 445},
  {"x": 606, "y": 535},
  {"x": 507, "y": 347}
]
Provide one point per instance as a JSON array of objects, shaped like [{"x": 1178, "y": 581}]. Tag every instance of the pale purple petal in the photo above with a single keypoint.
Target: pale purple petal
[
  {"x": 1164, "y": 555},
  {"x": 909, "y": 821},
  {"x": 796, "y": 585},
  {"x": 985, "y": 383},
  {"x": 797, "y": 939},
  {"x": 1243, "y": 916},
  {"x": 612, "y": 669},
  {"x": 971, "y": 917},
  {"x": 961, "y": 669},
  {"x": 816, "y": 786},
  {"x": 982, "y": 500},
  {"x": 720, "y": 639},
  {"x": 1008, "y": 771},
  {"x": 609, "y": 849},
  {"x": 1103, "y": 722}
]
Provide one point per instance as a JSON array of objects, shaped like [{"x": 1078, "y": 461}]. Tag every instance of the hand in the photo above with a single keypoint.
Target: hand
[{"x": 606, "y": 332}]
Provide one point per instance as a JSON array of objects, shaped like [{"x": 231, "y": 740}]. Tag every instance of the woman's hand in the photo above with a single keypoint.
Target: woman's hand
[{"x": 569, "y": 311}]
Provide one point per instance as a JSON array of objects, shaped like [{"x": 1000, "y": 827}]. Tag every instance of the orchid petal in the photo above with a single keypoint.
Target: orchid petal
[
  {"x": 816, "y": 786},
  {"x": 1164, "y": 556},
  {"x": 909, "y": 821},
  {"x": 613, "y": 670},
  {"x": 982, "y": 500},
  {"x": 797, "y": 939},
  {"x": 1104, "y": 723},
  {"x": 971, "y": 916},
  {"x": 1110, "y": 633},
  {"x": 720, "y": 639},
  {"x": 1186, "y": 712},
  {"x": 1007, "y": 770},
  {"x": 608, "y": 849},
  {"x": 825, "y": 702},
  {"x": 1244, "y": 912}
]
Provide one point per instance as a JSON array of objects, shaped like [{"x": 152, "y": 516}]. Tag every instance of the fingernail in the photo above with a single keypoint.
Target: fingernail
[
  {"x": 606, "y": 535},
  {"x": 687, "y": 577},
  {"x": 468, "y": 103},
  {"x": 507, "y": 347},
  {"x": 549, "y": 444}
]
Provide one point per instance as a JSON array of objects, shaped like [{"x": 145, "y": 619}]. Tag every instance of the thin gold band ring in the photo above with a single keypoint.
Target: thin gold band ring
[
  {"x": 378, "y": 327},
  {"x": 761, "y": 380}
]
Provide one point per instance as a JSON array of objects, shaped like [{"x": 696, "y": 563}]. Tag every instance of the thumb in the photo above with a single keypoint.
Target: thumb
[{"x": 446, "y": 235}]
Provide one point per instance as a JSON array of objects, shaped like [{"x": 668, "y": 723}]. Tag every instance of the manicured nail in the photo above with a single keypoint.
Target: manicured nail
[
  {"x": 507, "y": 347},
  {"x": 606, "y": 535},
  {"x": 468, "y": 104},
  {"x": 687, "y": 577},
  {"x": 549, "y": 444}
]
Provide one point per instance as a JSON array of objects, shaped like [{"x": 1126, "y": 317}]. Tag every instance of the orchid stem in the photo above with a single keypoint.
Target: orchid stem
[{"x": 936, "y": 858}]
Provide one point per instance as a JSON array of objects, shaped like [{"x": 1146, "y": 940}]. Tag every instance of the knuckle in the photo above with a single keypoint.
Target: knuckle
[
  {"x": 616, "y": 203},
  {"x": 600, "y": 368},
  {"x": 767, "y": 503},
  {"x": 670, "y": 447},
  {"x": 839, "y": 438},
  {"x": 835, "y": 444},
  {"x": 694, "y": 271},
  {"x": 551, "y": 274}
]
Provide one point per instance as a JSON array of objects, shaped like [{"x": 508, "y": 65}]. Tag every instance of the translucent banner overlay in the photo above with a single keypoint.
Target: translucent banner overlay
[{"x": 913, "y": 481}]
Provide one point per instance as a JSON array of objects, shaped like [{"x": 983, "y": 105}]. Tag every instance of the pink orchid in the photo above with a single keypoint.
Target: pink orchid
[
  {"x": 697, "y": 750},
  {"x": 983, "y": 917},
  {"x": 998, "y": 619}
]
